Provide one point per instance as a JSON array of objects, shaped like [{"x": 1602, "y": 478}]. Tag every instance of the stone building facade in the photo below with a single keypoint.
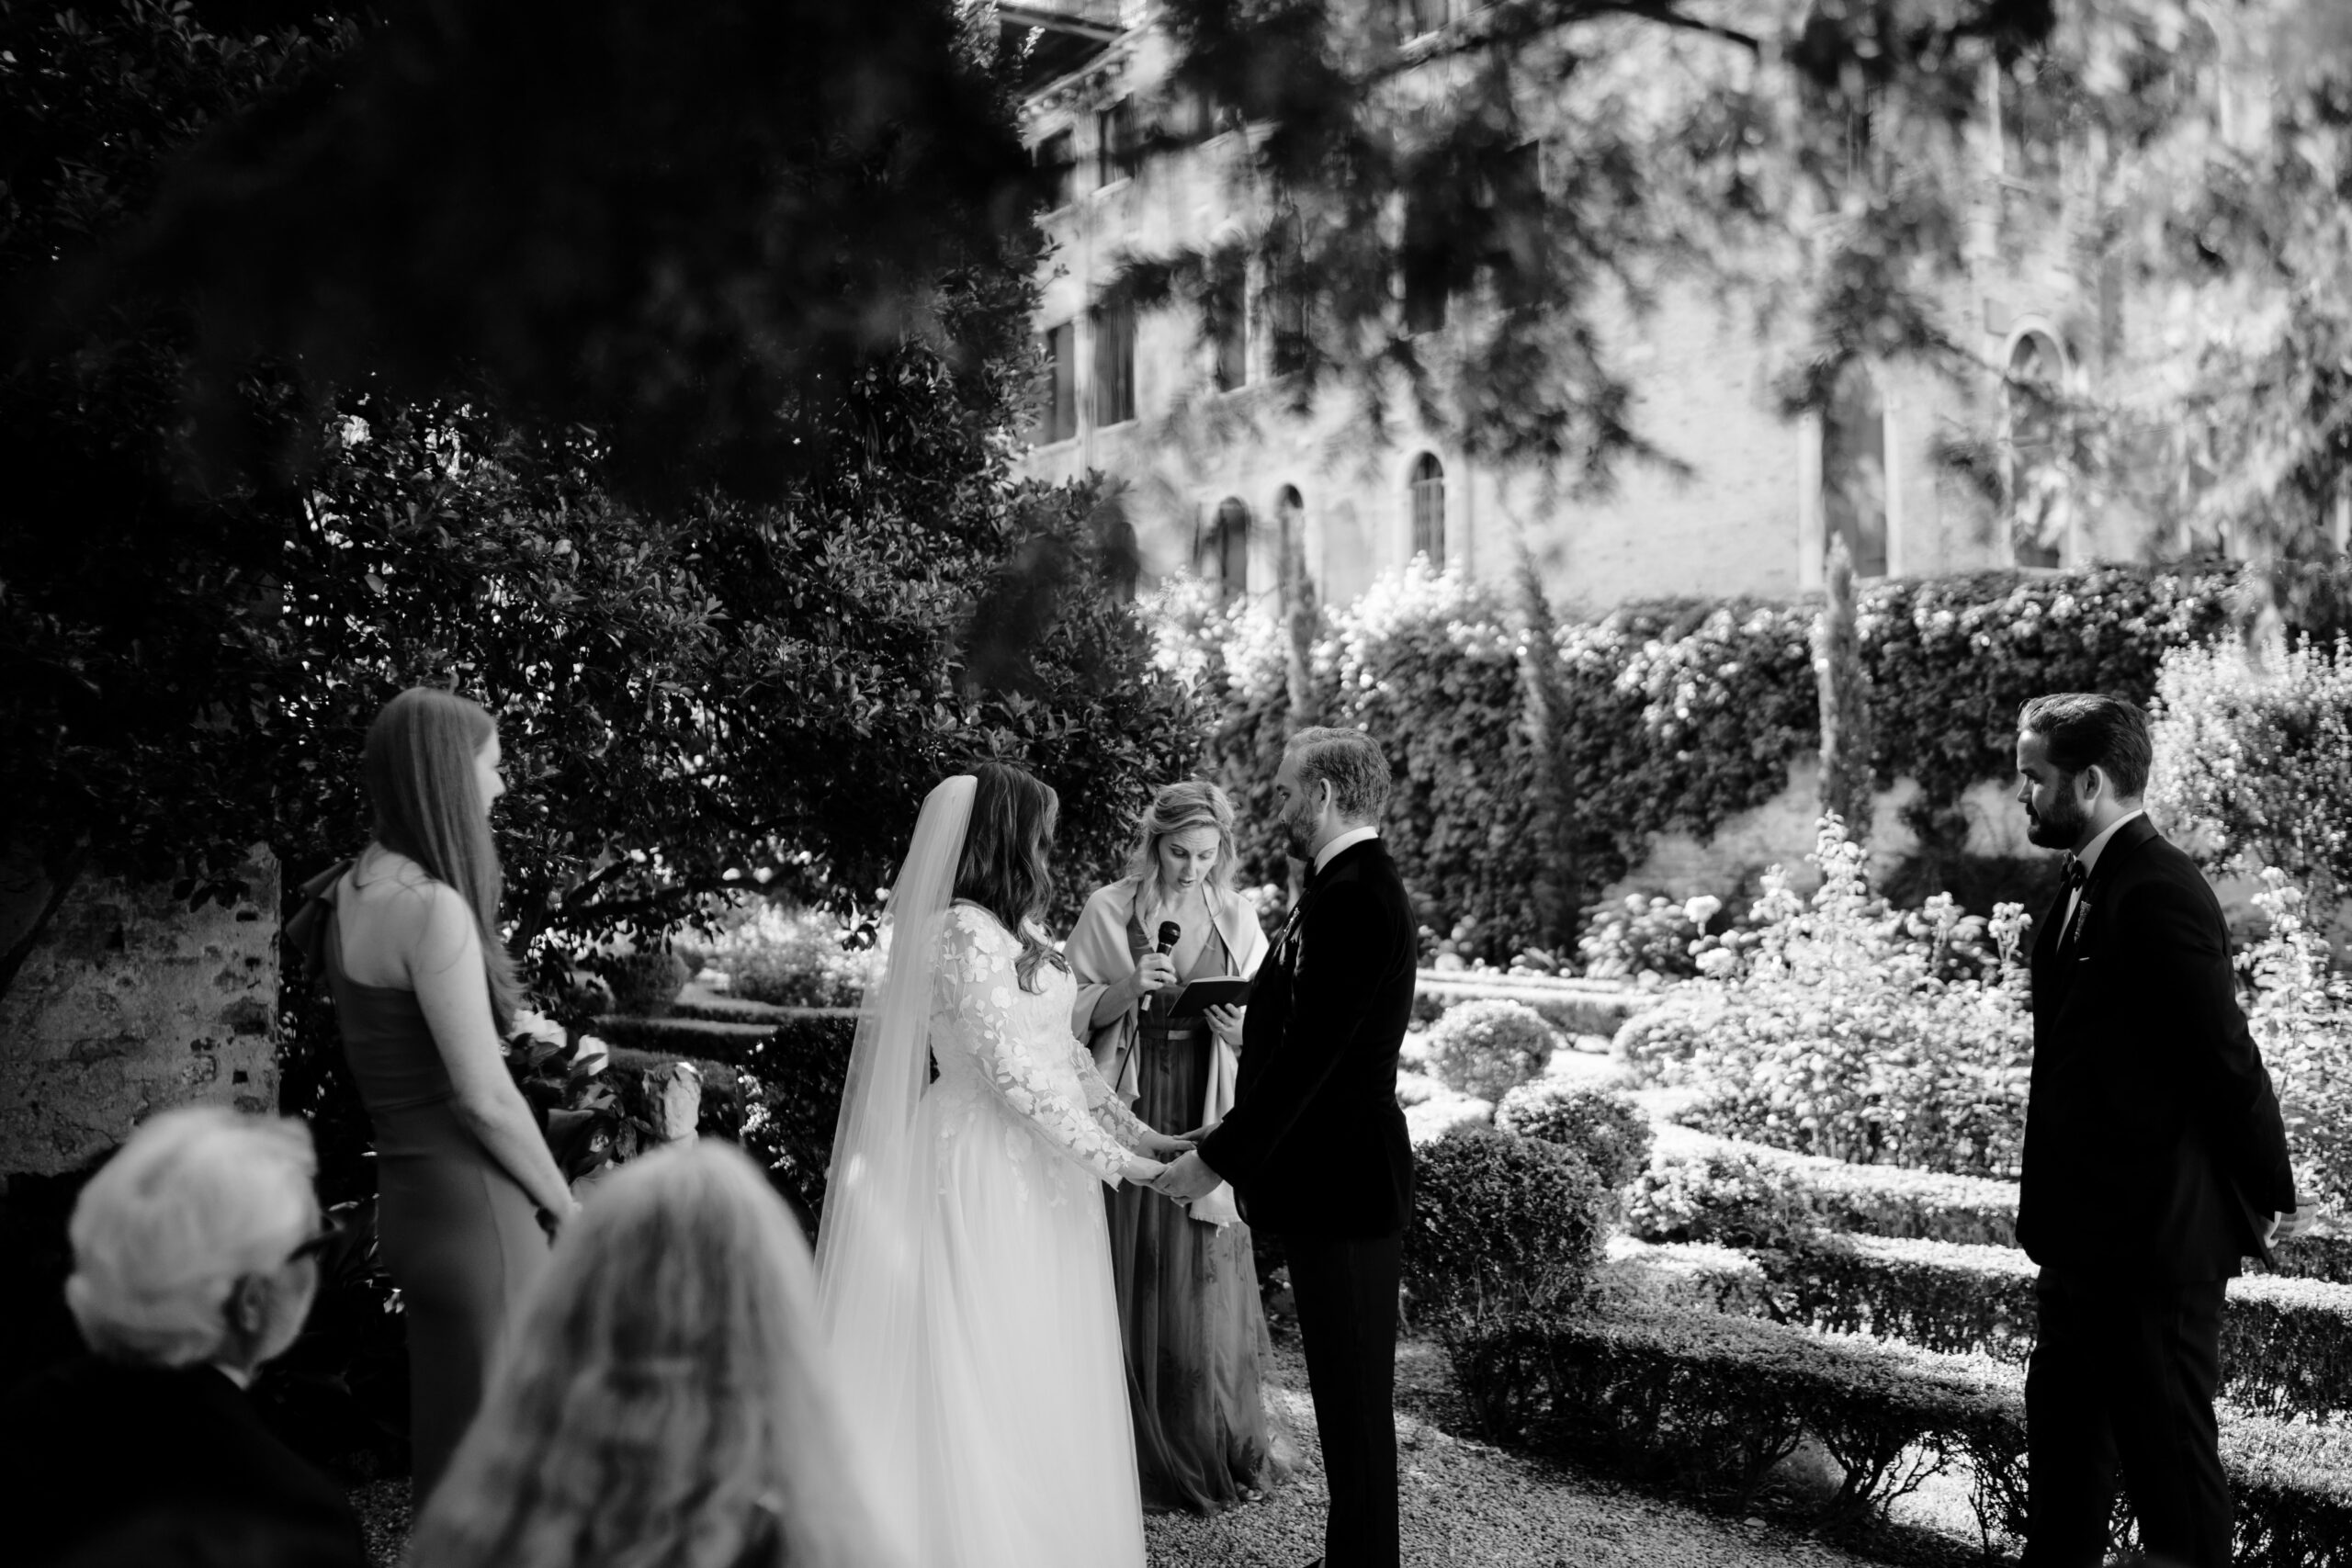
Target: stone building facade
[
  {"x": 126, "y": 1003},
  {"x": 1223, "y": 477}
]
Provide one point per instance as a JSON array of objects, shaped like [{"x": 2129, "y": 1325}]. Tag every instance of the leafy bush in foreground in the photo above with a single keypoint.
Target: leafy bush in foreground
[
  {"x": 1499, "y": 1224},
  {"x": 1602, "y": 1125}
]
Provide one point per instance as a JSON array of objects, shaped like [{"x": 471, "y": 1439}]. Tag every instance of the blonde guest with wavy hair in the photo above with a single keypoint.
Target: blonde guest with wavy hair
[
  {"x": 665, "y": 1398},
  {"x": 1190, "y": 1316}
]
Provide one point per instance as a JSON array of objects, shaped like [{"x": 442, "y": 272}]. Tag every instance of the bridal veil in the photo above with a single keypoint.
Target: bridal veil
[{"x": 869, "y": 1239}]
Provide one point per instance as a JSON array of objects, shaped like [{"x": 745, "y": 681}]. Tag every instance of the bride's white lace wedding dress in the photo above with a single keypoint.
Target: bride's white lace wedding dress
[{"x": 1023, "y": 1451}]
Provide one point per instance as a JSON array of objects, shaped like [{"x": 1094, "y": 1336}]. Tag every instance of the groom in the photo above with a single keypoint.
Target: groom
[
  {"x": 1315, "y": 1144},
  {"x": 2154, "y": 1156}
]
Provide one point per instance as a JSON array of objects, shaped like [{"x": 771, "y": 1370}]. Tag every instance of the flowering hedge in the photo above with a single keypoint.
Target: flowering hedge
[
  {"x": 2301, "y": 1017},
  {"x": 1725, "y": 1397},
  {"x": 1838, "y": 1026},
  {"x": 1674, "y": 718},
  {"x": 2253, "y": 766}
]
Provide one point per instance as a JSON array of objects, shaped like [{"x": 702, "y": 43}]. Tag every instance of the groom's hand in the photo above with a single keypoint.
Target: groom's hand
[
  {"x": 2289, "y": 1225},
  {"x": 1187, "y": 1179},
  {"x": 1203, "y": 1131},
  {"x": 1163, "y": 1146}
]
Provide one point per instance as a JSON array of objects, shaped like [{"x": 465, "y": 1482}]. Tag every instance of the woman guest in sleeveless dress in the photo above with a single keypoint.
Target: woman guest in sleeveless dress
[
  {"x": 424, "y": 991},
  {"x": 1188, "y": 1308}
]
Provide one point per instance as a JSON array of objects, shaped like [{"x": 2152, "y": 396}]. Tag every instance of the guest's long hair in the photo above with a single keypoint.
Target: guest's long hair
[
  {"x": 1180, "y": 809},
  {"x": 419, "y": 769},
  {"x": 664, "y": 1398},
  {"x": 1004, "y": 868}
]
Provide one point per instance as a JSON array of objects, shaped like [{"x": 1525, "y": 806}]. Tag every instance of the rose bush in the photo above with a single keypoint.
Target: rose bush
[{"x": 1843, "y": 1027}]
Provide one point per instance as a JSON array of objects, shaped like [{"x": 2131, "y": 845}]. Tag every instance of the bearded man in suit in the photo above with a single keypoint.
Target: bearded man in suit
[
  {"x": 1315, "y": 1144},
  {"x": 2154, "y": 1156}
]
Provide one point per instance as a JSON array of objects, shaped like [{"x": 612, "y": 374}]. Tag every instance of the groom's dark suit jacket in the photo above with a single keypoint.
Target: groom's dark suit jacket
[
  {"x": 1315, "y": 1144},
  {"x": 2153, "y": 1147}
]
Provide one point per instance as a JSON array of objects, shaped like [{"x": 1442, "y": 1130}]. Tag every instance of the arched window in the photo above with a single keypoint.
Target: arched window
[
  {"x": 1427, "y": 493},
  {"x": 1224, "y": 554},
  {"x": 1853, "y": 471},
  {"x": 2036, "y": 484}
]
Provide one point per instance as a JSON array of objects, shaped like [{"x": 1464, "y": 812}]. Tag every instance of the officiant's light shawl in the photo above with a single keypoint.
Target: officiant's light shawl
[{"x": 1101, "y": 956}]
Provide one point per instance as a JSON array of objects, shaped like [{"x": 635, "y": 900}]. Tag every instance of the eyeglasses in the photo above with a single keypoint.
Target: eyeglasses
[{"x": 333, "y": 1226}]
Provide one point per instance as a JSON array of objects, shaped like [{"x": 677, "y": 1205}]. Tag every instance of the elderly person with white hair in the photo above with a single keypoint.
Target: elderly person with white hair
[{"x": 192, "y": 1267}]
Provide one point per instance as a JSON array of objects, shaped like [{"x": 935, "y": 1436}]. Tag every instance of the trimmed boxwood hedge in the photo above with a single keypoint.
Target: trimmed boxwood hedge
[
  {"x": 1871, "y": 1199},
  {"x": 2286, "y": 1343},
  {"x": 1723, "y": 1396}
]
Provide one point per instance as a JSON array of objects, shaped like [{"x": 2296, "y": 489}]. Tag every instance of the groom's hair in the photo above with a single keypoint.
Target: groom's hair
[
  {"x": 2086, "y": 730},
  {"x": 1348, "y": 760}
]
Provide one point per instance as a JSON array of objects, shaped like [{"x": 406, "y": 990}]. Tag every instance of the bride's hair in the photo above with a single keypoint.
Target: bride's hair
[
  {"x": 1004, "y": 869},
  {"x": 1180, "y": 809},
  {"x": 664, "y": 1398}
]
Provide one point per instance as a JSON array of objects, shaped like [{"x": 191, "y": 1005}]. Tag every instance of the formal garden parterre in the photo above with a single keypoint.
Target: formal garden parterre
[{"x": 1794, "y": 1222}]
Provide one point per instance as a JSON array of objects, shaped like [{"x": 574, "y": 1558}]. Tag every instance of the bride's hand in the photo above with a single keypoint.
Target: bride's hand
[
  {"x": 1163, "y": 1146},
  {"x": 1142, "y": 1172}
]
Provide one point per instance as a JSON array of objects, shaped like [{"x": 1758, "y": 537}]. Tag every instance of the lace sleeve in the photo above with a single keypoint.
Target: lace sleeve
[
  {"x": 1110, "y": 1110},
  {"x": 976, "y": 989}
]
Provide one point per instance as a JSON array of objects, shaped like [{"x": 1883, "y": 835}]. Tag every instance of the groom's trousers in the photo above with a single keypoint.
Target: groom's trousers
[
  {"x": 2123, "y": 1379},
  {"x": 1346, "y": 1292}
]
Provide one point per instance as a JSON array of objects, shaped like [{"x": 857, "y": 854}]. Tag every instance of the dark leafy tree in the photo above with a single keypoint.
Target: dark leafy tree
[{"x": 705, "y": 686}]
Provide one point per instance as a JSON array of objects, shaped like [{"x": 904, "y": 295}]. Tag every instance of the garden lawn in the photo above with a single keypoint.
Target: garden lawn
[{"x": 1466, "y": 1505}]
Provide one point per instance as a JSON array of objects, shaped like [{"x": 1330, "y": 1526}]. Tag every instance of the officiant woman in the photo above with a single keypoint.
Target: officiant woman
[{"x": 1187, "y": 1287}]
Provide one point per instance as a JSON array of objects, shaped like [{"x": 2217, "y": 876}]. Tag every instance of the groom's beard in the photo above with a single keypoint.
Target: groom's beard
[
  {"x": 1300, "y": 838},
  {"x": 2056, "y": 829}
]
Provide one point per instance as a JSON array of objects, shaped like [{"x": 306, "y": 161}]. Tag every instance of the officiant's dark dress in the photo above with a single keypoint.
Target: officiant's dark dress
[{"x": 1189, "y": 1310}]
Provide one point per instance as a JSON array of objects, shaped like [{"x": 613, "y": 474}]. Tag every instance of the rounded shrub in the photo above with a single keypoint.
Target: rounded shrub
[
  {"x": 1501, "y": 1223},
  {"x": 1487, "y": 1048},
  {"x": 1669, "y": 1033},
  {"x": 1602, "y": 1125},
  {"x": 645, "y": 985},
  {"x": 1731, "y": 1198}
]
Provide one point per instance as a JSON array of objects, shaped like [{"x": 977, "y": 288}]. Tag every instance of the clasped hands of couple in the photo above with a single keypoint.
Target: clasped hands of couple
[{"x": 1171, "y": 1167}]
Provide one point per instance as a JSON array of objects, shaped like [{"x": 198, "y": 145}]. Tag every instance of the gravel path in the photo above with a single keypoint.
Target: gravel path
[{"x": 1466, "y": 1505}]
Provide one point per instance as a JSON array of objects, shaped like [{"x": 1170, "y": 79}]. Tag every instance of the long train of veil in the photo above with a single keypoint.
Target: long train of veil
[{"x": 877, "y": 1187}]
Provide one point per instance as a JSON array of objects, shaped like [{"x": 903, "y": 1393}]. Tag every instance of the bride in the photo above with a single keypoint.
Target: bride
[{"x": 964, "y": 1267}]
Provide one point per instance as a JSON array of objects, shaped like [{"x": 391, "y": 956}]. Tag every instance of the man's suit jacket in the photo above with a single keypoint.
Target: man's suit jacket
[
  {"x": 91, "y": 1449},
  {"x": 2153, "y": 1147},
  {"x": 1315, "y": 1144}
]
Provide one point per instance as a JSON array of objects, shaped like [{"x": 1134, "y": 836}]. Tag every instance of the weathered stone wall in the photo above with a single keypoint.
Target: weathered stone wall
[
  {"x": 1782, "y": 831},
  {"x": 131, "y": 1004}
]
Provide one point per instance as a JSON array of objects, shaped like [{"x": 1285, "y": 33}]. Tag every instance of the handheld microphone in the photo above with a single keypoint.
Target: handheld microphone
[{"x": 1170, "y": 933}]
